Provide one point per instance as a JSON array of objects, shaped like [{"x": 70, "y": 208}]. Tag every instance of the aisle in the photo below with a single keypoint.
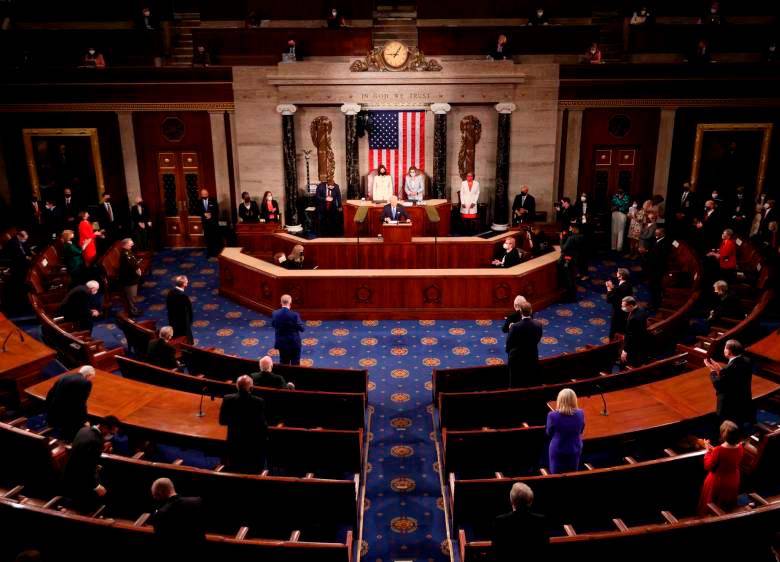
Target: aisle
[{"x": 404, "y": 516}]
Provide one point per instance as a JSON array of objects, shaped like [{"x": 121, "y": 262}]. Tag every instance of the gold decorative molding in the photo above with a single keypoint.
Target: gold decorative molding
[
  {"x": 91, "y": 133},
  {"x": 114, "y": 106},
  {"x": 763, "y": 161},
  {"x": 667, "y": 103},
  {"x": 375, "y": 61}
]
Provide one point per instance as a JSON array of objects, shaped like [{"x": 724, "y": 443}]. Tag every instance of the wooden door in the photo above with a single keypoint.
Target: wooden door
[
  {"x": 178, "y": 175},
  {"x": 614, "y": 167}
]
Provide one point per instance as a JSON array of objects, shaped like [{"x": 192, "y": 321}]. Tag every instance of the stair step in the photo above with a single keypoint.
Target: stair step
[
  {"x": 395, "y": 28},
  {"x": 186, "y": 15},
  {"x": 395, "y": 15}
]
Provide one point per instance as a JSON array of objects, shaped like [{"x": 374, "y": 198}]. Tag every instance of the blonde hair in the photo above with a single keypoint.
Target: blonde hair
[
  {"x": 67, "y": 235},
  {"x": 295, "y": 255},
  {"x": 567, "y": 402}
]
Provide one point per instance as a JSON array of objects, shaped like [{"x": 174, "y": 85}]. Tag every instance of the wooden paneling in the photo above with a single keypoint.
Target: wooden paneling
[
  {"x": 232, "y": 46},
  {"x": 23, "y": 360},
  {"x": 390, "y": 294},
  {"x": 421, "y": 226},
  {"x": 677, "y": 38},
  {"x": 435, "y": 9},
  {"x": 301, "y": 10}
]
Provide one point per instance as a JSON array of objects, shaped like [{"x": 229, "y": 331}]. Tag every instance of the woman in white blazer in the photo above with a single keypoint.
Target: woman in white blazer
[
  {"x": 383, "y": 185},
  {"x": 414, "y": 185},
  {"x": 469, "y": 197}
]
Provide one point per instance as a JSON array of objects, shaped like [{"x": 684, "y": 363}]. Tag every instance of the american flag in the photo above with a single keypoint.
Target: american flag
[{"x": 397, "y": 140}]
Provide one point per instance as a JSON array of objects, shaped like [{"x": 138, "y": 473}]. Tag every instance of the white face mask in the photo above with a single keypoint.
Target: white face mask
[
  {"x": 766, "y": 205},
  {"x": 583, "y": 199},
  {"x": 269, "y": 198},
  {"x": 624, "y": 308},
  {"x": 412, "y": 173},
  {"x": 593, "y": 51},
  {"x": 740, "y": 196},
  {"x": 507, "y": 247},
  {"x": 714, "y": 194},
  {"x": 540, "y": 13},
  {"x": 92, "y": 51}
]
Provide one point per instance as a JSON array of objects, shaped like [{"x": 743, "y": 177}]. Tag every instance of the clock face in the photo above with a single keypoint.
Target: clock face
[{"x": 395, "y": 54}]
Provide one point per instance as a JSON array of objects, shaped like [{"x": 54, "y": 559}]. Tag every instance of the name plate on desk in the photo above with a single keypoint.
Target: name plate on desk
[{"x": 397, "y": 233}]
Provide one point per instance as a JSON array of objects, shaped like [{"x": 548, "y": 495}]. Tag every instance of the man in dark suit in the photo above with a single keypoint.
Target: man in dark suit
[
  {"x": 208, "y": 211},
  {"x": 565, "y": 213},
  {"x": 244, "y": 416},
  {"x": 179, "y": 523},
  {"x": 140, "y": 224},
  {"x": 66, "y": 402},
  {"x": 686, "y": 206},
  {"x": 768, "y": 216},
  {"x": 523, "y": 207},
  {"x": 572, "y": 247},
  {"x": 514, "y": 316},
  {"x": 635, "y": 338},
  {"x": 81, "y": 475},
  {"x": 520, "y": 534},
  {"x": 656, "y": 262},
  {"x": 328, "y": 197},
  {"x": 288, "y": 326},
  {"x": 180, "y": 309},
  {"x": 160, "y": 351},
  {"x": 267, "y": 378},
  {"x": 709, "y": 227},
  {"x": 129, "y": 275},
  {"x": 393, "y": 211},
  {"x": 70, "y": 209},
  {"x": 510, "y": 255},
  {"x": 79, "y": 306},
  {"x": 51, "y": 219},
  {"x": 615, "y": 296},
  {"x": 20, "y": 257},
  {"x": 107, "y": 219},
  {"x": 732, "y": 384},
  {"x": 726, "y": 305},
  {"x": 248, "y": 211},
  {"x": 522, "y": 347}
]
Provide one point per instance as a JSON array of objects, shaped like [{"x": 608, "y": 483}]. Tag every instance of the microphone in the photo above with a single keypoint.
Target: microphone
[
  {"x": 11, "y": 333},
  {"x": 434, "y": 218},
  {"x": 360, "y": 218},
  {"x": 604, "y": 411},
  {"x": 203, "y": 392}
]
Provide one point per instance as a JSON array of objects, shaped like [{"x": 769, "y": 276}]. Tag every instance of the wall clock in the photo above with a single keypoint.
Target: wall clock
[{"x": 395, "y": 55}]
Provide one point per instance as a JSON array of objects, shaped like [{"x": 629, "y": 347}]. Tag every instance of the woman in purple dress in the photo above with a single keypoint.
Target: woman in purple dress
[{"x": 565, "y": 427}]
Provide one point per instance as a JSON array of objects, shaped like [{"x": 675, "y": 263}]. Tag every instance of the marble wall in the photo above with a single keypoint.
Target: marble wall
[{"x": 470, "y": 87}]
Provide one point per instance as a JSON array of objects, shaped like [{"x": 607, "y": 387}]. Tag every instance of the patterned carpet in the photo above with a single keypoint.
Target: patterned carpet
[{"x": 404, "y": 515}]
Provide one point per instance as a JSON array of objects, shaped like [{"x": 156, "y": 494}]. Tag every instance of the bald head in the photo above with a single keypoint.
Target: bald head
[
  {"x": 244, "y": 383},
  {"x": 266, "y": 364},
  {"x": 162, "y": 489},
  {"x": 286, "y": 300}
]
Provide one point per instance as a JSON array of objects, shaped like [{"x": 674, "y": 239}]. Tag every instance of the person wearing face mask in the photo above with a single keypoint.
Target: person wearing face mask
[
  {"x": 70, "y": 208},
  {"x": 771, "y": 52},
  {"x": 621, "y": 203},
  {"x": 140, "y": 224},
  {"x": 572, "y": 246},
  {"x": 642, "y": 16},
  {"x": 615, "y": 296},
  {"x": 593, "y": 56},
  {"x": 523, "y": 207},
  {"x": 709, "y": 227},
  {"x": 469, "y": 200},
  {"x": 564, "y": 211},
  {"x": 335, "y": 20},
  {"x": 635, "y": 338},
  {"x": 93, "y": 59},
  {"x": 539, "y": 17},
  {"x": 583, "y": 215},
  {"x": 248, "y": 210},
  {"x": 328, "y": 197},
  {"x": 510, "y": 256},
  {"x": 501, "y": 50},
  {"x": 414, "y": 185},
  {"x": 712, "y": 16},
  {"x": 768, "y": 216},
  {"x": 269, "y": 208},
  {"x": 739, "y": 213},
  {"x": 383, "y": 185},
  {"x": 208, "y": 210},
  {"x": 655, "y": 264}
]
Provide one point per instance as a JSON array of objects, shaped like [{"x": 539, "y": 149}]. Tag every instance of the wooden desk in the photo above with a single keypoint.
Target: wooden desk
[
  {"x": 421, "y": 226},
  {"x": 766, "y": 353},
  {"x": 388, "y": 293},
  {"x": 400, "y": 233},
  {"x": 651, "y": 406},
  {"x": 22, "y": 362}
]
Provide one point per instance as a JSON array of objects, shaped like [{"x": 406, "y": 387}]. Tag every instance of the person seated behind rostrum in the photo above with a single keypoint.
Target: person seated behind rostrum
[
  {"x": 510, "y": 256},
  {"x": 160, "y": 352}
]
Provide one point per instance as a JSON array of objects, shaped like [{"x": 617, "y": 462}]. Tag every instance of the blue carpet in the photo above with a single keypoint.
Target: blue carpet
[{"x": 404, "y": 515}]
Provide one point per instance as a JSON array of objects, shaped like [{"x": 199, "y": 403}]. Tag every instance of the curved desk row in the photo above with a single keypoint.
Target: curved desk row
[{"x": 387, "y": 293}]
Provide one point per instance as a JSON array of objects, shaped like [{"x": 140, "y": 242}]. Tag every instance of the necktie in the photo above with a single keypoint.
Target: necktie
[
  {"x": 110, "y": 212},
  {"x": 393, "y": 213},
  {"x": 205, "y": 204}
]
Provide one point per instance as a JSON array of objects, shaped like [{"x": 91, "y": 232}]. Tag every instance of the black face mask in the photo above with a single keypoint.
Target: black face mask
[{"x": 382, "y": 172}]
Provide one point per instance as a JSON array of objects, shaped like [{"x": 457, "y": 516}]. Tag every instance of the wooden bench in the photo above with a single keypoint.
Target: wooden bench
[
  {"x": 297, "y": 408},
  {"x": 203, "y": 361}
]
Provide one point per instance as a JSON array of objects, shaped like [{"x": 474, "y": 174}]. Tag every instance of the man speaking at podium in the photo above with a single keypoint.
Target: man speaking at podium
[{"x": 393, "y": 211}]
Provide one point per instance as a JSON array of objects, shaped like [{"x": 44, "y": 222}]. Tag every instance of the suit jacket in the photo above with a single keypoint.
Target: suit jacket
[
  {"x": 77, "y": 306},
  {"x": 52, "y": 220},
  {"x": 288, "y": 326},
  {"x": 635, "y": 337},
  {"x": 727, "y": 307},
  {"x": 400, "y": 213},
  {"x": 179, "y": 527},
  {"x": 520, "y": 535},
  {"x": 510, "y": 258},
  {"x": 573, "y": 246},
  {"x": 733, "y": 390},
  {"x": 138, "y": 216},
  {"x": 252, "y": 214},
  {"x": 322, "y": 193},
  {"x": 70, "y": 211},
  {"x": 767, "y": 216},
  {"x": 104, "y": 219},
  {"x": 18, "y": 253},
  {"x": 658, "y": 257},
  {"x": 271, "y": 216},
  {"x": 268, "y": 380},
  {"x": 711, "y": 230},
  {"x": 179, "y": 312},
  {"x": 129, "y": 266},
  {"x": 162, "y": 354},
  {"x": 578, "y": 214},
  {"x": 81, "y": 470},
  {"x": 511, "y": 319},
  {"x": 66, "y": 403},
  {"x": 522, "y": 343},
  {"x": 615, "y": 298},
  {"x": 529, "y": 205},
  {"x": 565, "y": 216},
  {"x": 244, "y": 415},
  {"x": 212, "y": 207}
]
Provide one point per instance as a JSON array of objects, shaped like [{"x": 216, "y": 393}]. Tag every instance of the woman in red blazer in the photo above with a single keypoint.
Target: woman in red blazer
[
  {"x": 727, "y": 256},
  {"x": 722, "y": 463}
]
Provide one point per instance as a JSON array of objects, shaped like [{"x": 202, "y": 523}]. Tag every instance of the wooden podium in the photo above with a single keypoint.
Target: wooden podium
[{"x": 400, "y": 233}]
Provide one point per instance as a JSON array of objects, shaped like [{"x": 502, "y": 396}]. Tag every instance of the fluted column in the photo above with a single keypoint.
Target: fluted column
[
  {"x": 290, "y": 169},
  {"x": 350, "y": 111},
  {"x": 501, "y": 199},
  {"x": 439, "y": 184}
]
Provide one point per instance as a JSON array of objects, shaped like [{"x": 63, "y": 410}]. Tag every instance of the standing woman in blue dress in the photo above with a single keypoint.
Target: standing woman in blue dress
[{"x": 565, "y": 426}]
